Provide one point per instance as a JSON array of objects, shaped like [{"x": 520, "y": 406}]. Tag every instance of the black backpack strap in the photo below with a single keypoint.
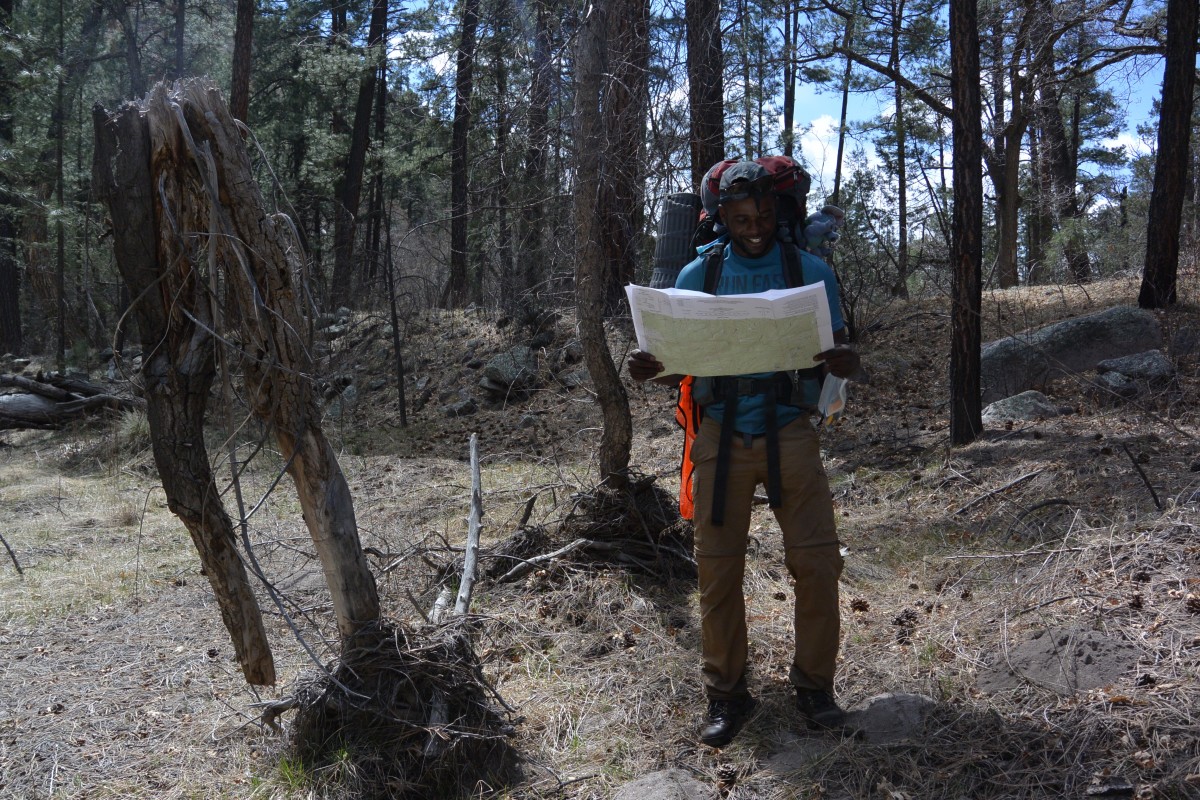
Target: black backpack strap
[
  {"x": 793, "y": 269},
  {"x": 714, "y": 262},
  {"x": 724, "y": 446},
  {"x": 774, "y": 481}
]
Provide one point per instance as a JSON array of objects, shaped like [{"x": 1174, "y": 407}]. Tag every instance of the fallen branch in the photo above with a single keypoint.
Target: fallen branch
[
  {"x": 527, "y": 566},
  {"x": 995, "y": 492},
  {"x": 12, "y": 555},
  {"x": 1141, "y": 472}
]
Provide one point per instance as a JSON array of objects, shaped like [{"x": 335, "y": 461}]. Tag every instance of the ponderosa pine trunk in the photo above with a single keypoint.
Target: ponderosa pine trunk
[
  {"x": 966, "y": 243},
  {"x": 1170, "y": 166},
  {"x": 706, "y": 85}
]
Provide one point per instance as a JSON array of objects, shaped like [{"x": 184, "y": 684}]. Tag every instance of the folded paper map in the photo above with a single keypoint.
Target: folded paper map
[{"x": 693, "y": 333}]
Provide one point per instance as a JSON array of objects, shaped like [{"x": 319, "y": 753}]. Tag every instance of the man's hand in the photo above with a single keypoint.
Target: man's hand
[
  {"x": 643, "y": 366},
  {"x": 841, "y": 361}
]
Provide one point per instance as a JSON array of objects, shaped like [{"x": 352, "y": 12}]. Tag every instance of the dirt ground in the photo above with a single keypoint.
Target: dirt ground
[{"x": 1038, "y": 586}]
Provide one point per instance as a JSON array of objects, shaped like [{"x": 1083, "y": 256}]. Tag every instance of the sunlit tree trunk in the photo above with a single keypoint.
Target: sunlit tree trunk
[
  {"x": 706, "y": 85},
  {"x": 1170, "y": 165},
  {"x": 966, "y": 243},
  {"x": 591, "y": 69}
]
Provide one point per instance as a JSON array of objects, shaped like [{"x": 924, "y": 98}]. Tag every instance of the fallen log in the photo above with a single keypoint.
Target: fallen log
[{"x": 50, "y": 403}]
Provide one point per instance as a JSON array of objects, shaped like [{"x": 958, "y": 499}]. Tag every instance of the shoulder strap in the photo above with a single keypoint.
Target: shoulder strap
[
  {"x": 793, "y": 268},
  {"x": 714, "y": 262}
]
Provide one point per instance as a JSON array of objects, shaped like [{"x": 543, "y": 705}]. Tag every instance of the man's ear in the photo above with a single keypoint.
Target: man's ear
[{"x": 721, "y": 215}]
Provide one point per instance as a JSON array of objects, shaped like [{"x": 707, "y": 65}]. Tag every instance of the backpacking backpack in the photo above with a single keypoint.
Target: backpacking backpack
[
  {"x": 791, "y": 198},
  {"x": 689, "y": 220}
]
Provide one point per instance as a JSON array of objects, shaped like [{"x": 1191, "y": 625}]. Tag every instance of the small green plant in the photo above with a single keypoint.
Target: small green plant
[
  {"x": 133, "y": 433},
  {"x": 293, "y": 774}
]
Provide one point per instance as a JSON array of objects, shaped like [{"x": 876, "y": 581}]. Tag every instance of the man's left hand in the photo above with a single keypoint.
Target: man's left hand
[{"x": 841, "y": 361}]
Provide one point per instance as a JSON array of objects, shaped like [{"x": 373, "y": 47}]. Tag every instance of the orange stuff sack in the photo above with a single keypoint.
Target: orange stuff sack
[{"x": 687, "y": 414}]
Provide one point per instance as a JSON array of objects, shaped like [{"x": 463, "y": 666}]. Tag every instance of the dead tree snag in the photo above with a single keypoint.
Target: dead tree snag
[{"x": 206, "y": 256}]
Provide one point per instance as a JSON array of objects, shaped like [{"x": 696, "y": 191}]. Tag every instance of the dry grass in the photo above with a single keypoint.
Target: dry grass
[{"x": 118, "y": 679}]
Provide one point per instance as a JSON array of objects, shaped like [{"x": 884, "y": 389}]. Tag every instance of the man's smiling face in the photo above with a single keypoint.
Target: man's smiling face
[{"x": 751, "y": 224}]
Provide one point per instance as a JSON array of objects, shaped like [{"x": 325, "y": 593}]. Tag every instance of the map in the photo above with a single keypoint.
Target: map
[{"x": 693, "y": 333}]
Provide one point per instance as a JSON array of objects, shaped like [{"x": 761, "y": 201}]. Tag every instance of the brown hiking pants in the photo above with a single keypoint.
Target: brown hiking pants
[{"x": 812, "y": 555}]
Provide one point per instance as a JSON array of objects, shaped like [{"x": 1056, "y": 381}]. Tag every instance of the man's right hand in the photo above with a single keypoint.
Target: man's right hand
[{"x": 643, "y": 366}]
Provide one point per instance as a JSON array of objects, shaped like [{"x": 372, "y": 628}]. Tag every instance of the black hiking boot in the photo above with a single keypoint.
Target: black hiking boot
[
  {"x": 819, "y": 710},
  {"x": 725, "y": 718}
]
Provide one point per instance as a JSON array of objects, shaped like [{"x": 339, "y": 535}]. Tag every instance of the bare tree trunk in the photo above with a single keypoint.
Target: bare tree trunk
[
  {"x": 590, "y": 67},
  {"x": 624, "y": 105},
  {"x": 180, "y": 64},
  {"x": 1039, "y": 222},
  {"x": 791, "y": 25},
  {"x": 1170, "y": 166},
  {"x": 349, "y": 193},
  {"x": 171, "y": 311},
  {"x": 504, "y": 248},
  {"x": 966, "y": 244},
  {"x": 11, "y": 340},
  {"x": 243, "y": 60},
  {"x": 900, "y": 286},
  {"x": 458, "y": 285},
  {"x": 196, "y": 148},
  {"x": 1067, "y": 211},
  {"x": 706, "y": 85},
  {"x": 533, "y": 216},
  {"x": 847, "y": 40}
]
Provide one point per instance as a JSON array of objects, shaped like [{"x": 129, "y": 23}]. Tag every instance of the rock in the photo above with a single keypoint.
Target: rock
[
  {"x": 1029, "y": 405},
  {"x": 515, "y": 370},
  {"x": 377, "y": 384},
  {"x": 891, "y": 718},
  {"x": 1152, "y": 367},
  {"x": 462, "y": 408},
  {"x": 1030, "y": 360},
  {"x": 343, "y": 402},
  {"x": 574, "y": 378},
  {"x": 668, "y": 784},
  {"x": 336, "y": 331},
  {"x": 1111, "y": 386},
  {"x": 1062, "y": 660}
]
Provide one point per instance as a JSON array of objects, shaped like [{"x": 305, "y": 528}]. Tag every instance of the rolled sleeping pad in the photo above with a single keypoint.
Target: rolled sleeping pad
[{"x": 673, "y": 248}]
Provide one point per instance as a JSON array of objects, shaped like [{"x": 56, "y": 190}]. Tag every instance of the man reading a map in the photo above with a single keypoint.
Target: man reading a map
[{"x": 757, "y": 429}]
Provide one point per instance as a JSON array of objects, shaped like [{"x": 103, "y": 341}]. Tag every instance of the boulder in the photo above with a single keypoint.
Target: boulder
[
  {"x": 1030, "y": 360},
  {"x": 1028, "y": 405},
  {"x": 513, "y": 371}
]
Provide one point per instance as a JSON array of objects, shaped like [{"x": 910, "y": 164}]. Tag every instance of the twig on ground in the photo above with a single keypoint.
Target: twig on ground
[
  {"x": 1142, "y": 474},
  {"x": 997, "y": 491}
]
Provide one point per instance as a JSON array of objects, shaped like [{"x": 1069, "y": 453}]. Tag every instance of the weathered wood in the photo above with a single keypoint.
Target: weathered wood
[
  {"x": 44, "y": 405},
  {"x": 474, "y": 527},
  {"x": 172, "y": 310},
  {"x": 201, "y": 161}
]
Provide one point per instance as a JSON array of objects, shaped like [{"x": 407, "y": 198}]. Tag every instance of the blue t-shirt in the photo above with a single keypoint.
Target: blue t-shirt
[{"x": 747, "y": 276}]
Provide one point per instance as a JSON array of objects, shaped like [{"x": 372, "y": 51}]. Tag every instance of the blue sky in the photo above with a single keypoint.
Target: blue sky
[{"x": 819, "y": 112}]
